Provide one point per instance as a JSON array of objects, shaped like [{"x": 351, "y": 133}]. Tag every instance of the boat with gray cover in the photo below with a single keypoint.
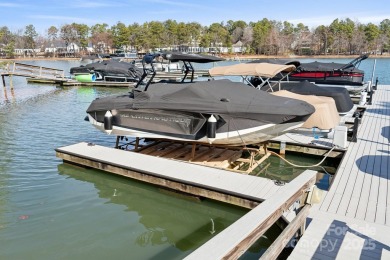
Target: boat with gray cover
[{"x": 216, "y": 111}]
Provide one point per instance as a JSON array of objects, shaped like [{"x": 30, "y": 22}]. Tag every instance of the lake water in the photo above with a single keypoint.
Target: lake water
[{"x": 51, "y": 210}]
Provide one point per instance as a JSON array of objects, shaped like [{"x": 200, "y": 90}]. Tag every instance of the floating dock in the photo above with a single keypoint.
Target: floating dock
[
  {"x": 74, "y": 83},
  {"x": 276, "y": 201},
  {"x": 32, "y": 71},
  {"x": 45, "y": 75},
  {"x": 233, "y": 241},
  {"x": 230, "y": 187},
  {"x": 353, "y": 220}
]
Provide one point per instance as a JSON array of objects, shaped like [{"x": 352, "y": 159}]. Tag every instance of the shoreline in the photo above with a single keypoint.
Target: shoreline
[
  {"x": 235, "y": 57},
  {"x": 226, "y": 56}
]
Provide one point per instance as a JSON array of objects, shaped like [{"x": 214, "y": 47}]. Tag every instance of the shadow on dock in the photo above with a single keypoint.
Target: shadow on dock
[
  {"x": 385, "y": 110},
  {"x": 367, "y": 164},
  {"x": 386, "y": 133},
  {"x": 351, "y": 238}
]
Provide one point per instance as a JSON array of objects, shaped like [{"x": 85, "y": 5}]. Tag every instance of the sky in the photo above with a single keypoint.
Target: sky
[{"x": 17, "y": 14}]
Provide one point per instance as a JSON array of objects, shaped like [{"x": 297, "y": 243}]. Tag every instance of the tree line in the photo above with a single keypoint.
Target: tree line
[{"x": 266, "y": 37}]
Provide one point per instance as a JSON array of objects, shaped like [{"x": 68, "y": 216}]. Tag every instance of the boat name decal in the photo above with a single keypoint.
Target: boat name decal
[{"x": 178, "y": 120}]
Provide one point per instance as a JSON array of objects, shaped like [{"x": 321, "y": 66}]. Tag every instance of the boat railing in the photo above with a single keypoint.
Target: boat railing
[
  {"x": 355, "y": 62},
  {"x": 26, "y": 70},
  {"x": 148, "y": 69}
]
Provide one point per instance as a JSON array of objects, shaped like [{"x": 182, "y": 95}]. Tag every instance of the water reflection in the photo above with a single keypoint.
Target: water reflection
[
  {"x": 12, "y": 92},
  {"x": 277, "y": 169},
  {"x": 169, "y": 218}
]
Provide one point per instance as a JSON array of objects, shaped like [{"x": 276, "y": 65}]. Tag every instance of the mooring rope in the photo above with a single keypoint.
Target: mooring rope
[{"x": 304, "y": 166}]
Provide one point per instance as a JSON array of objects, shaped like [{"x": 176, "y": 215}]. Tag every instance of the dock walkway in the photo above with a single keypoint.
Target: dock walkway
[
  {"x": 353, "y": 220},
  {"x": 161, "y": 171},
  {"x": 26, "y": 70}
]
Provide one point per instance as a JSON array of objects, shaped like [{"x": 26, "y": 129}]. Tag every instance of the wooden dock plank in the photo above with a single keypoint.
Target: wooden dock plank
[
  {"x": 347, "y": 182},
  {"x": 377, "y": 176},
  {"x": 266, "y": 191},
  {"x": 380, "y": 216},
  {"x": 336, "y": 193},
  {"x": 340, "y": 237},
  {"x": 210, "y": 178},
  {"x": 332, "y": 201},
  {"x": 253, "y": 188},
  {"x": 360, "y": 192},
  {"x": 386, "y": 134},
  {"x": 368, "y": 187},
  {"x": 358, "y": 205},
  {"x": 384, "y": 192},
  {"x": 246, "y": 229},
  {"x": 340, "y": 180}
]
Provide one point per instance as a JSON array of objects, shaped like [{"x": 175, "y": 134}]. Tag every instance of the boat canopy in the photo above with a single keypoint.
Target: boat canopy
[
  {"x": 266, "y": 70},
  {"x": 190, "y": 57},
  {"x": 296, "y": 63}
]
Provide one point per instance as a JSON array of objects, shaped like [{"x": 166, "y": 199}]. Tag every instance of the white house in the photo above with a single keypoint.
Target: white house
[{"x": 238, "y": 47}]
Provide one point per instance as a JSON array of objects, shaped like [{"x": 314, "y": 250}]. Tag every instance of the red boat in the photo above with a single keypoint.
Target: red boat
[
  {"x": 331, "y": 73},
  {"x": 326, "y": 73}
]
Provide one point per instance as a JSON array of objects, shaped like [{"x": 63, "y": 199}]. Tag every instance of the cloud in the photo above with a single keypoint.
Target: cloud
[
  {"x": 94, "y": 4},
  {"x": 11, "y": 5},
  {"x": 163, "y": 12},
  {"x": 373, "y": 19},
  {"x": 173, "y": 3},
  {"x": 64, "y": 18}
]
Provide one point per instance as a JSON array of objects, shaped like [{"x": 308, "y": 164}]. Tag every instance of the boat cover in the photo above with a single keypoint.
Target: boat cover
[
  {"x": 296, "y": 63},
  {"x": 325, "y": 116},
  {"x": 112, "y": 67},
  {"x": 190, "y": 57},
  {"x": 339, "y": 94},
  {"x": 222, "y": 97},
  {"x": 267, "y": 70},
  {"x": 327, "y": 67}
]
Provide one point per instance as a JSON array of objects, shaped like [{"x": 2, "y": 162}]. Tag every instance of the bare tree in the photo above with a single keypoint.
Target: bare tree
[{"x": 247, "y": 37}]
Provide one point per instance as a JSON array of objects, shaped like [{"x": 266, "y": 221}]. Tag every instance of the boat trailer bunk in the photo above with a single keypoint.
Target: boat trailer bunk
[{"x": 241, "y": 159}]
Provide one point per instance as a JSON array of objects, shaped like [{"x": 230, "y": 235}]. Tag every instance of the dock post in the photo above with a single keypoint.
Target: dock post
[
  {"x": 371, "y": 94},
  {"x": 376, "y": 84},
  {"x": 193, "y": 150},
  {"x": 282, "y": 150},
  {"x": 117, "y": 142},
  {"x": 355, "y": 127},
  {"x": 11, "y": 84},
  {"x": 3, "y": 79}
]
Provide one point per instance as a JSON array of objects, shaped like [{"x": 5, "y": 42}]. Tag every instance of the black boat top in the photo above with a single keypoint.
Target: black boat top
[
  {"x": 316, "y": 65},
  {"x": 190, "y": 57},
  {"x": 110, "y": 67},
  {"x": 186, "y": 58},
  {"x": 235, "y": 99},
  {"x": 327, "y": 66},
  {"x": 339, "y": 94}
]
